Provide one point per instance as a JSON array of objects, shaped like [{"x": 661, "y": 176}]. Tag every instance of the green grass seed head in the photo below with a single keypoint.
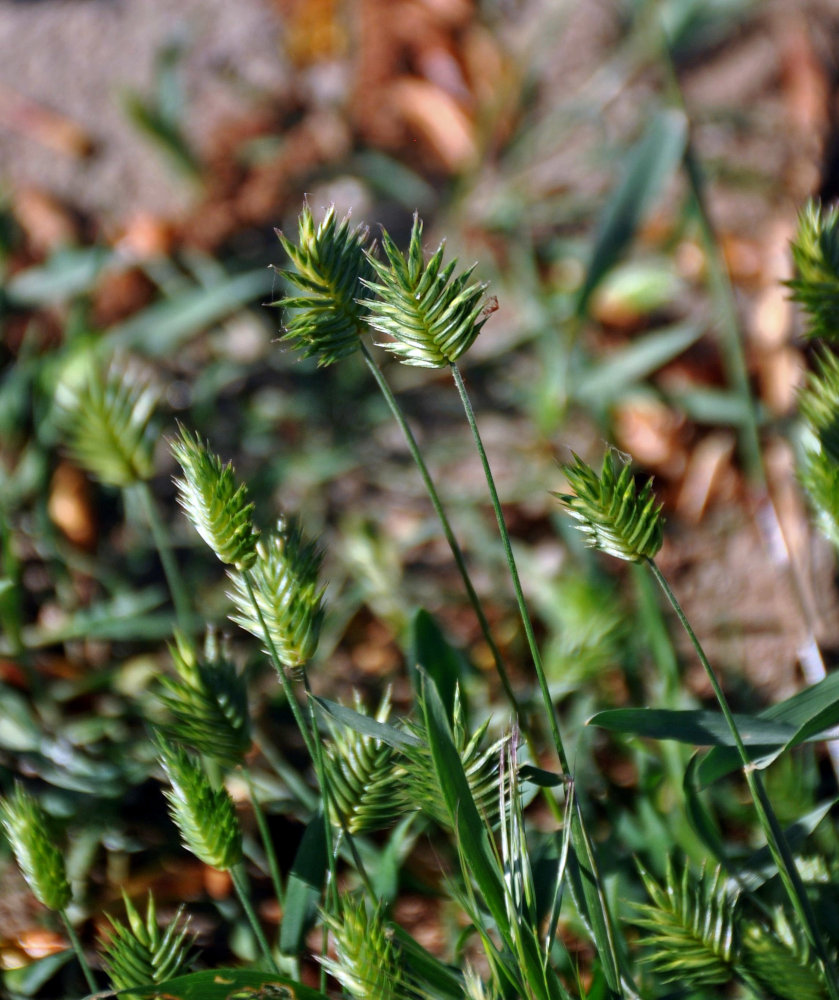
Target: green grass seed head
[
  {"x": 214, "y": 502},
  {"x": 431, "y": 315},
  {"x": 39, "y": 859},
  {"x": 614, "y": 515}
]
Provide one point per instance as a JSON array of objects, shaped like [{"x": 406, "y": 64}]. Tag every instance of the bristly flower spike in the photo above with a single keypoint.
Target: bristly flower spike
[
  {"x": 367, "y": 964},
  {"x": 214, "y": 502},
  {"x": 284, "y": 582},
  {"x": 329, "y": 266},
  {"x": 140, "y": 951},
  {"x": 613, "y": 514},
  {"x": 35, "y": 851},
  {"x": 107, "y": 419},
  {"x": 209, "y": 701},
  {"x": 818, "y": 403},
  {"x": 815, "y": 251},
  {"x": 204, "y": 815},
  {"x": 432, "y": 314}
]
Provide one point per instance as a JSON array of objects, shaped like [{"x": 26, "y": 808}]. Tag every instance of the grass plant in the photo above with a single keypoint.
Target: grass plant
[{"x": 530, "y": 888}]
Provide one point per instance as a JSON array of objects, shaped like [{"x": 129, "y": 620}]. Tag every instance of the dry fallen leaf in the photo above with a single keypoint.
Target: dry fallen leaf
[
  {"x": 46, "y": 223},
  {"x": 438, "y": 118},
  {"x": 43, "y": 125},
  {"x": 69, "y": 505}
]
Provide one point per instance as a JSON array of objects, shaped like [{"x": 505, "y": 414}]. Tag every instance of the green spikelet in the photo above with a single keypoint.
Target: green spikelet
[
  {"x": 819, "y": 476},
  {"x": 432, "y": 314},
  {"x": 107, "y": 422},
  {"x": 209, "y": 702},
  {"x": 290, "y": 598},
  {"x": 367, "y": 962},
  {"x": 205, "y": 816},
  {"x": 815, "y": 251},
  {"x": 480, "y": 763},
  {"x": 363, "y": 776},
  {"x": 818, "y": 403},
  {"x": 781, "y": 963},
  {"x": 690, "y": 928},
  {"x": 217, "y": 506},
  {"x": 139, "y": 952},
  {"x": 39, "y": 859},
  {"x": 329, "y": 266},
  {"x": 614, "y": 516}
]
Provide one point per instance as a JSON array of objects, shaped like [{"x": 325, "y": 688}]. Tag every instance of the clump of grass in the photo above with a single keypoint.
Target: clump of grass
[{"x": 521, "y": 891}]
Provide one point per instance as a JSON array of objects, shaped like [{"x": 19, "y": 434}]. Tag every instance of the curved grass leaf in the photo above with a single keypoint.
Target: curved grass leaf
[
  {"x": 649, "y": 166},
  {"x": 696, "y": 726},
  {"x": 28, "y": 980},
  {"x": 643, "y": 356},
  {"x": 431, "y": 651},
  {"x": 162, "y": 327},
  {"x": 226, "y": 984},
  {"x": 67, "y": 273},
  {"x": 367, "y": 726},
  {"x": 812, "y": 713},
  {"x": 472, "y": 834}
]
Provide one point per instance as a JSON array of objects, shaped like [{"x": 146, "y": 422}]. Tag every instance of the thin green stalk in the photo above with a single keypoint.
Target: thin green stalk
[
  {"x": 326, "y": 791},
  {"x": 776, "y": 840},
  {"x": 457, "y": 553},
  {"x": 592, "y": 889},
  {"x": 719, "y": 282},
  {"x": 310, "y": 737},
  {"x": 177, "y": 587},
  {"x": 240, "y": 885},
  {"x": 278, "y": 666},
  {"x": 453, "y": 544},
  {"x": 77, "y": 948},
  {"x": 265, "y": 834},
  {"x": 736, "y": 368},
  {"x": 11, "y": 619},
  {"x": 514, "y": 573}
]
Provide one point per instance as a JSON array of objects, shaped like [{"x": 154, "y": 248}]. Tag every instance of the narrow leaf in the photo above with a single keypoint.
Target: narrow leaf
[
  {"x": 367, "y": 726},
  {"x": 649, "y": 166},
  {"x": 226, "y": 984},
  {"x": 760, "y": 866},
  {"x": 431, "y": 651},
  {"x": 812, "y": 713},
  {"x": 696, "y": 727},
  {"x": 305, "y": 884},
  {"x": 67, "y": 273},
  {"x": 454, "y": 787},
  {"x": 633, "y": 363},
  {"x": 539, "y": 776},
  {"x": 162, "y": 327}
]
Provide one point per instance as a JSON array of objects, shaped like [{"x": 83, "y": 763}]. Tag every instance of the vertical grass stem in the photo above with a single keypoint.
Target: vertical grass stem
[
  {"x": 278, "y": 666},
  {"x": 589, "y": 886},
  {"x": 790, "y": 876},
  {"x": 77, "y": 948},
  {"x": 454, "y": 546},
  {"x": 265, "y": 835},
  {"x": 177, "y": 587},
  {"x": 241, "y": 887}
]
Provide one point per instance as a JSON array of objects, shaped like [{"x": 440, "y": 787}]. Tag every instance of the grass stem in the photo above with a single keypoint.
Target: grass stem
[
  {"x": 77, "y": 948},
  {"x": 454, "y": 546},
  {"x": 514, "y": 573},
  {"x": 177, "y": 587},
  {"x": 790, "y": 876},
  {"x": 288, "y": 691},
  {"x": 265, "y": 835},
  {"x": 589, "y": 885},
  {"x": 240, "y": 885}
]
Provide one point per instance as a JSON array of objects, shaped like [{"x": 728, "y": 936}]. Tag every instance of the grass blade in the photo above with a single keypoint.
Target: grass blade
[{"x": 650, "y": 164}]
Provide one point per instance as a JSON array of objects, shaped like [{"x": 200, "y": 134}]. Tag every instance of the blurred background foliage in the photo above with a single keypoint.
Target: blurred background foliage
[{"x": 626, "y": 173}]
